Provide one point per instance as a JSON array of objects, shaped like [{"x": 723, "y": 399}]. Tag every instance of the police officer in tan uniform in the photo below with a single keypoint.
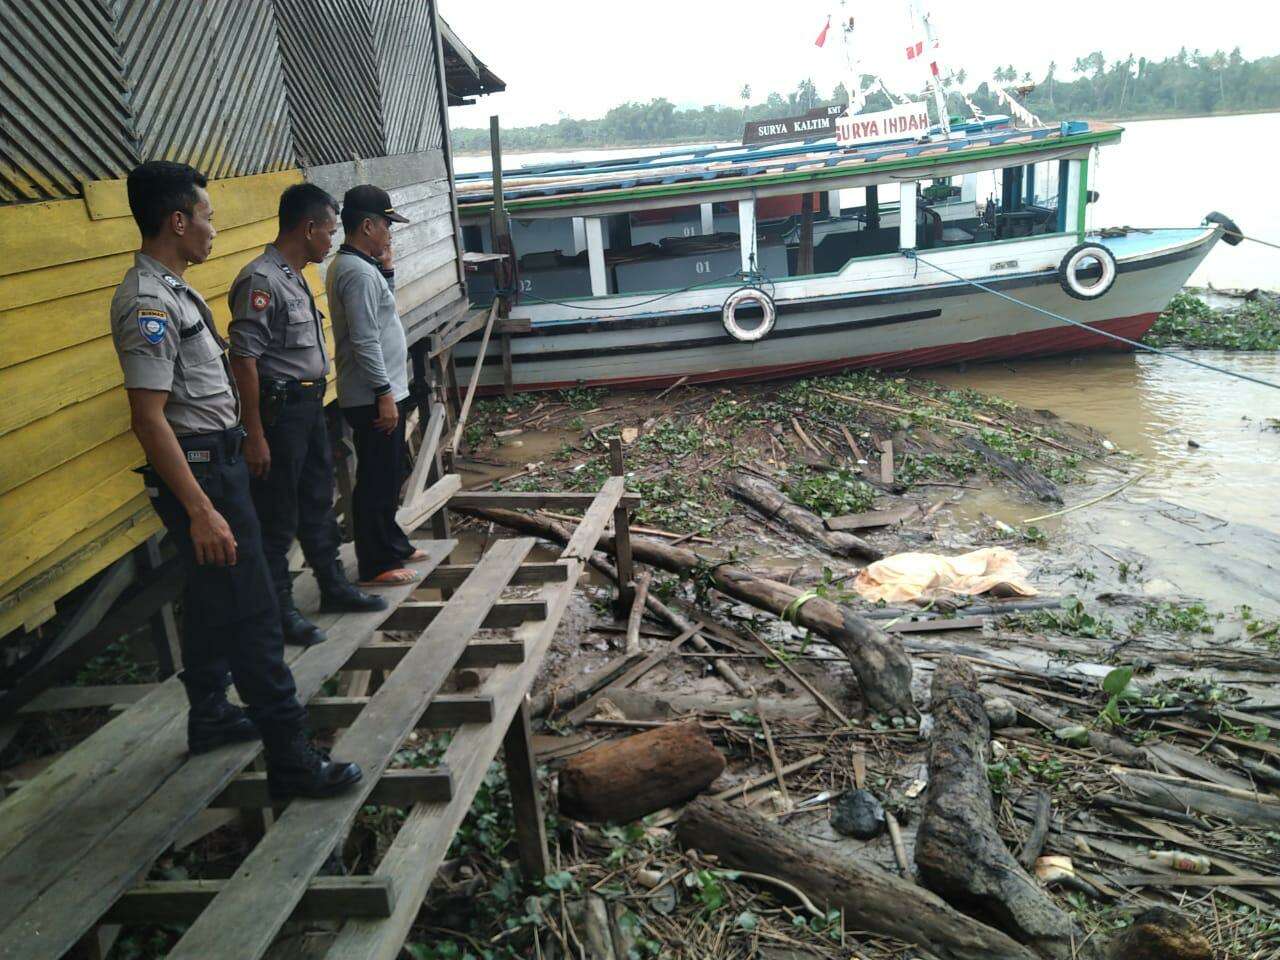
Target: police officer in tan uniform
[
  {"x": 186, "y": 415},
  {"x": 280, "y": 363}
]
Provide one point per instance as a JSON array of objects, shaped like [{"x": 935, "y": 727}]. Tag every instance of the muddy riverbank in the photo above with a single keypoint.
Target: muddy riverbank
[{"x": 1163, "y": 587}]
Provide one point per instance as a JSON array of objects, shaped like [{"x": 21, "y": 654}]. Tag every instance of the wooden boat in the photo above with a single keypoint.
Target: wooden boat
[{"x": 781, "y": 259}]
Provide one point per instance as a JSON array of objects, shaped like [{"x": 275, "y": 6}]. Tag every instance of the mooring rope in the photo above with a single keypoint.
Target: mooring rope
[{"x": 912, "y": 255}]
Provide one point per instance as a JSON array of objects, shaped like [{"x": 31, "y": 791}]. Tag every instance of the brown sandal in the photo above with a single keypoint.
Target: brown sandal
[
  {"x": 417, "y": 556},
  {"x": 392, "y": 578}
]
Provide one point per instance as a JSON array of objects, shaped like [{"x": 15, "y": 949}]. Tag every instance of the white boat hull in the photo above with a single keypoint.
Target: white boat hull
[{"x": 883, "y": 312}]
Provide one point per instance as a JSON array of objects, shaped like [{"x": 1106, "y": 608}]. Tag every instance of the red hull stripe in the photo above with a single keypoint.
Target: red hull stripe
[{"x": 1038, "y": 343}]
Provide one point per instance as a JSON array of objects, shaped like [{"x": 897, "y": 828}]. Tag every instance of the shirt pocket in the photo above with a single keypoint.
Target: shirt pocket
[
  {"x": 300, "y": 326},
  {"x": 203, "y": 374}
]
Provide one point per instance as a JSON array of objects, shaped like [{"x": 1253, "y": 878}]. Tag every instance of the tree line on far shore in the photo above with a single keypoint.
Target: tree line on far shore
[{"x": 1185, "y": 84}]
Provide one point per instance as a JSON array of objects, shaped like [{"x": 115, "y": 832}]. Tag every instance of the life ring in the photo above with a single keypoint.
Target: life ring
[
  {"x": 1069, "y": 271},
  {"x": 1231, "y": 235},
  {"x": 751, "y": 295}
]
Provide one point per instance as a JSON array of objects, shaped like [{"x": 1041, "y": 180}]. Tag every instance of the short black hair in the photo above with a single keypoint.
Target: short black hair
[
  {"x": 302, "y": 202},
  {"x": 159, "y": 187},
  {"x": 353, "y": 217}
]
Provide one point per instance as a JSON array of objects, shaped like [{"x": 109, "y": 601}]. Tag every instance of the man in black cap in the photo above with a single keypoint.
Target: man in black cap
[
  {"x": 279, "y": 360},
  {"x": 371, "y": 356},
  {"x": 185, "y": 412}
]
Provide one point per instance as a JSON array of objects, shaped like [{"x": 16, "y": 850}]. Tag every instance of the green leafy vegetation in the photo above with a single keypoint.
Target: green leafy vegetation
[
  {"x": 830, "y": 493},
  {"x": 1190, "y": 322},
  {"x": 1072, "y": 618}
]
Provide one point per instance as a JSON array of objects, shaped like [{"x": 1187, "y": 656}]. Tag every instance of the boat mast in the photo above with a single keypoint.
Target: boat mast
[
  {"x": 935, "y": 74},
  {"x": 852, "y": 63}
]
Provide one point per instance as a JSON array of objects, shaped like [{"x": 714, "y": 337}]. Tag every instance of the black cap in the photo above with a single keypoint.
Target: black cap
[{"x": 372, "y": 200}]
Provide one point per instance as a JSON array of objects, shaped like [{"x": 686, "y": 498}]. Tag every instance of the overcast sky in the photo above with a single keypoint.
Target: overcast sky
[{"x": 581, "y": 57}]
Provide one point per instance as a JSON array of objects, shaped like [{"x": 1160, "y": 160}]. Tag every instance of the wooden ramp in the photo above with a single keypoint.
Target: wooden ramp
[{"x": 77, "y": 840}]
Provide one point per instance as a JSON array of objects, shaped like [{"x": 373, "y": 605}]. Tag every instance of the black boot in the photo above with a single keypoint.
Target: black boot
[
  {"x": 297, "y": 628},
  {"x": 297, "y": 768},
  {"x": 340, "y": 595},
  {"x": 214, "y": 721}
]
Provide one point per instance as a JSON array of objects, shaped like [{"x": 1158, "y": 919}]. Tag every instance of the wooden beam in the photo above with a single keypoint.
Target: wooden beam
[
  {"x": 530, "y": 500},
  {"x": 446, "y": 710},
  {"x": 85, "y": 698},
  {"x": 522, "y": 778},
  {"x": 160, "y": 586},
  {"x": 622, "y": 534},
  {"x": 326, "y": 898},
  {"x": 413, "y": 515},
  {"x": 397, "y": 788},
  {"x": 443, "y": 343},
  {"x": 478, "y": 655},
  {"x": 254, "y": 904},
  {"x": 475, "y": 378},
  {"x": 508, "y": 377},
  {"x": 418, "y": 614},
  {"x": 426, "y": 454},
  {"x": 452, "y": 574}
]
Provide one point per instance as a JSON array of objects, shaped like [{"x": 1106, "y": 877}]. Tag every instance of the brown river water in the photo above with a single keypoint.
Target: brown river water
[{"x": 1204, "y": 521}]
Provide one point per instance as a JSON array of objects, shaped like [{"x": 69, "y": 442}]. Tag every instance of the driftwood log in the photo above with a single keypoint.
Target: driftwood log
[
  {"x": 773, "y": 503},
  {"x": 958, "y": 851},
  {"x": 879, "y": 661},
  {"x": 872, "y": 899},
  {"x": 1031, "y": 480},
  {"x": 1243, "y": 807},
  {"x": 626, "y": 779},
  {"x": 1104, "y": 743}
]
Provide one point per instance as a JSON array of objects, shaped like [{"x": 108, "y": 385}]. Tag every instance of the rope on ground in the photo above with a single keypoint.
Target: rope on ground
[{"x": 1137, "y": 345}]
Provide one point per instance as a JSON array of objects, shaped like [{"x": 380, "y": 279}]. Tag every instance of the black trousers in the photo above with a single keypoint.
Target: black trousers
[
  {"x": 295, "y": 498},
  {"x": 229, "y": 614},
  {"x": 380, "y": 470}
]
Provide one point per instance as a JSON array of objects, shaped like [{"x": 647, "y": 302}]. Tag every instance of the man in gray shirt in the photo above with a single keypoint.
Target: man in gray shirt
[
  {"x": 373, "y": 381},
  {"x": 185, "y": 412},
  {"x": 279, "y": 360}
]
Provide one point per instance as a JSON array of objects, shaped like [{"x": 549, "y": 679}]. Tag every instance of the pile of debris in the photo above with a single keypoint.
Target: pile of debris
[{"x": 764, "y": 761}]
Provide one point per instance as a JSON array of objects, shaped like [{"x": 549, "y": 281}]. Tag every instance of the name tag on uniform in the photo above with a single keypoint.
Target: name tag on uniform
[{"x": 199, "y": 456}]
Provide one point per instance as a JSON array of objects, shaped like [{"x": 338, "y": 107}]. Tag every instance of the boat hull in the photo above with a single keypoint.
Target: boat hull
[{"x": 915, "y": 325}]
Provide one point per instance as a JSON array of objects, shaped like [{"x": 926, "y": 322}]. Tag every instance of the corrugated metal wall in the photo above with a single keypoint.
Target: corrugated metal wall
[
  {"x": 206, "y": 84},
  {"x": 234, "y": 87},
  {"x": 406, "y": 44},
  {"x": 332, "y": 79},
  {"x": 63, "y": 85}
]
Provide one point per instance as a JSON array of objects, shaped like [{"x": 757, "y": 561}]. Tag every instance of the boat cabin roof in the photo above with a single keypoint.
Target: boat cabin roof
[{"x": 706, "y": 174}]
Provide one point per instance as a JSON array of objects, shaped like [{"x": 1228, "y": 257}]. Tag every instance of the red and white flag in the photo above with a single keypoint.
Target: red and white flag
[
  {"x": 822, "y": 37},
  {"x": 915, "y": 50}
]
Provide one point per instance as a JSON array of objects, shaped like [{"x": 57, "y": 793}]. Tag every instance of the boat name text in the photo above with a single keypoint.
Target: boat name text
[{"x": 904, "y": 120}]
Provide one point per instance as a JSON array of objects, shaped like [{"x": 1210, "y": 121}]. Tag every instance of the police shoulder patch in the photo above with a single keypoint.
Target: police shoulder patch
[
  {"x": 152, "y": 324},
  {"x": 260, "y": 299}
]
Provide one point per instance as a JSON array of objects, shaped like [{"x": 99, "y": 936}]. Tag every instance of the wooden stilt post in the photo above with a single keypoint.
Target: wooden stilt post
[
  {"x": 622, "y": 536},
  {"x": 522, "y": 778},
  {"x": 164, "y": 625},
  {"x": 504, "y": 270},
  {"x": 344, "y": 468},
  {"x": 508, "y": 387},
  {"x": 804, "y": 264}
]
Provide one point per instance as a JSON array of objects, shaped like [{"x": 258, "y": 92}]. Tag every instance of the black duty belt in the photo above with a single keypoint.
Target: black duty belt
[
  {"x": 293, "y": 390},
  {"x": 221, "y": 447}
]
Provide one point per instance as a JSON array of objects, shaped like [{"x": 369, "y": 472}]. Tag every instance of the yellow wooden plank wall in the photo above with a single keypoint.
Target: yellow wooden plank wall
[{"x": 70, "y": 503}]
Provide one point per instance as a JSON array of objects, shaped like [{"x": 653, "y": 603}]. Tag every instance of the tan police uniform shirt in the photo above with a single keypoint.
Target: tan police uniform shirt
[
  {"x": 275, "y": 320},
  {"x": 164, "y": 336}
]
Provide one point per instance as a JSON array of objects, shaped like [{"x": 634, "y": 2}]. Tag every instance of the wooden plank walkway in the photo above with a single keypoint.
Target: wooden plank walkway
[
  {"x": 88, "y": 827},
  {"x": 77, "y": 840}
]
